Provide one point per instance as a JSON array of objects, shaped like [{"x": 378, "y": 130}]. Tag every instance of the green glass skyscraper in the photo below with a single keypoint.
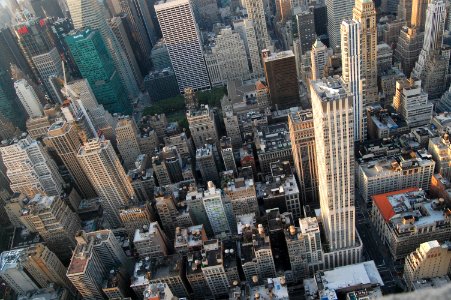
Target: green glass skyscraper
[{"x": 96, "y": 65}]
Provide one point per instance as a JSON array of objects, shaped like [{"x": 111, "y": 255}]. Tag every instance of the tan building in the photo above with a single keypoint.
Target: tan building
[
  {"x": 63, "y": 137},
  {"x": 127, "y": 141},
  {"x": 135, "y": 218},
  {"x": 202, "y": 125},
  {"x": 430, "y": 260},
  {"x": 150, "y": 241},
  {"x": 440, "y": 149},
  {"x": 302, "y": 137},
  {"x": 242, "y": 195},
  {"x": 55, "y": 222}
]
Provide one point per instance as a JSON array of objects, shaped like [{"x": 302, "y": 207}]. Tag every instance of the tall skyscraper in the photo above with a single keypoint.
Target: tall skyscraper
[
  {"x": 30, "y": 169},
  {"x": 256, "y": 13},
  {"x": 104, "y": 170},
  {"x": 334, "y": 136},
  {"x": 318, "y": 58},
  {"x": 15, "y": 276},
  {"x": 96, "y": 65},
  {"x": 351, "y": 60},
  {"x": 65, "y": 140},
  {"x": 246, "y": 29},
  {"x": 182, "y": 38},
  {"x": 90, "y": 14},
  {"x": 28, "y": 98},
  {"x": 337, "y": 11},
  {"x": 127, "y": 142},
  {"x": 364, "y": 12},
  {"x": 418, "y": 14}
]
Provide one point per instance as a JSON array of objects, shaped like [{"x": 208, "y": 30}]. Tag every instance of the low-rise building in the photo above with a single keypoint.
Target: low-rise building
[{"x": 406, "y": 218}]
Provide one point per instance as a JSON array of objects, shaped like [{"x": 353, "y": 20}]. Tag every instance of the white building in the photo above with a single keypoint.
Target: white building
[
  {"x": 182, "y": 38},
  {"x": 256, "y": 13},
  {"x": 333, "y": 118},
  {"x": 28, "y": 98},
  {"x": 15, "y": 276},
  {"x": 127, "y": 141},
  {"x": 246, "y": 29},
  {"x": 216, "y": 210},
  {"x": 30, "y": 169},
  {"x": 351, "y": 64},
  {"x": 107, "y": 176}
]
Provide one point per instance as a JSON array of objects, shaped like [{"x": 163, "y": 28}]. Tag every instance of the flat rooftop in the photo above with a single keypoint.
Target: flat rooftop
[
  {"x": 275, "y": 288},
  {"x": 329, "y": 89}
]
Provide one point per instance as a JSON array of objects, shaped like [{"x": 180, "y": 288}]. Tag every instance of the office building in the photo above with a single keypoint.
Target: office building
[
  {"x": 107, "y": 176},
  {"x": 384, "y": 59},
  {"x": 28, "y": 98},
  {"x": 377, "y": 176},
  {"x": 167, "y": 211},
  {"x": 120, "y": 31},
  {"x": 183, "y": 39},
  {"x": 160, "y": 291},
  {"x": 161, "y": 84},
  {"x": 30, "y": 169},
  {"x": 302, "y": 137},
  {"x": 318, "y": 58},
  {"x": 55, "y": 222},
  {"x": 351, "y": 57},
  {"x": 160, "y": 56},
  {"x": 431, "y": 259},
  {"x": 90, "y": 14},
  {"x": 256, "y": 13},
  {"x": 64, "y": 138},
  {"x": 127, "y": 141},
  {"x": 333, "y": 117},
  {"x": 182, "y": 142},
  {"x": 161, "y": 171},
  {"x": 49, "y": 67},
  {"x": 408, "y": 48},
  {"x": 364, "y": 12},
  {"x": 15, "y": 276},
  {"x": 337, "y": 11},
  {"x": 9, "y": 106},
  {"x": 305, "y": 23},
  {"x": 135, "y": 218},
  {"x": 217, "y": 210},
  {"x": 402, "y": 227},
  {"x": 280, "y": 74},
  {"x": 439, "y": 148},
  {"x": 206, "y": 162},
  {"x": 227, "y": 154},
  {"x": 150, "y": 241},
  {"x": 411, "y": 101},
  {"x": 242, "y": 195},
  {"x": 97, "y": 66},
  {"x": 214, "y": 268},
  {"x": 202, "y": 125}
]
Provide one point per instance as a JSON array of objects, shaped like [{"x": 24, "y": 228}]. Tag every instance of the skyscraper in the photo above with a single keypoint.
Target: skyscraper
[
  {"x": 30, "y": 169},
  {"x": 364, "y": 12},
  {"x": 352, "y": 73},
  {"x": 104, "y": 170},
  {"x": 246, "y": 29},
  {"x": 95, "y": 63},
  {"x": 256, "y": 14},
  {"x": 64, "y": 139},
  {"x": 182, "y": 37},
  {"x": 334, "y": 135},
  {"x": 127, "y": 142},
  {"x": 318, "y": 58},
  {"x": 28, "y": 98},
  {"x": 337, "y": 11},
  {"x": 89, "y": 14}
]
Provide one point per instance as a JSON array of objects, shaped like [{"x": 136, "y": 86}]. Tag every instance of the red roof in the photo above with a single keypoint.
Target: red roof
[{"x": 384, "y": 205}]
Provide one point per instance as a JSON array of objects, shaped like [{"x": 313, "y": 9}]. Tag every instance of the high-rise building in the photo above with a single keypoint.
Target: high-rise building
[
  {"x": 55, "y": 222},
  {"x": 183, "y": 40},
  {"x": 65, "y": 140},
  {"x": 418, "y": 13},
  {"x": 333, "y": 120},
  {"x": 9, "y": 106},
  {"x": 30, "y": 169},
  {"x": 242, "y": 195},
  {"x": 337, "y": 11},
  {"x": 118, "y": 27},
  {"x": 246, "y": 29},
  {"x": 206, "y": 162},
  {"x": 202, "y": 125},
  {"x": 49, "y": 66},
  {"x": 280, "y": 74},
  {"x": 160, "y": 56},
  {"x": 305, "y": 22},
  {"x": 96, "y": 65},
  {"x": 256, "y": 13},
  {"x": 167, "y": 211},
  {"x": 364, "y": 12},
  {"x": 135, "y": 218},
  {"x": 431, "y": 67},
  {"x": 227, "y": 154},
  {"x": 90, "y": 14},
  {"x": 408, "y": 48},
  {"x": 44, "y": 9},
  {"x": 214, "y": 268},
  {"x": 412, "y": 102},
  {"x": 127, "y": 141},
  {"x": 28, "y": 98},
  {"x": 302, "y": 137},
  {"x": 150, "y": 241},
  {"x": 429, "y": 260},
  {"x": 107, "y": 176},
  {"x": 351, "y": 58},
  {"x": 15, "y": 276},
  {"x": 173, "y": 162},
  {"x": 318, "y": 59},
  {"x": 216, "y": 210}
]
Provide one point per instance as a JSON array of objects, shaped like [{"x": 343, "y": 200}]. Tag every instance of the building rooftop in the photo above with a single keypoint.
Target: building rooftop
[
  {"x": 49, "y": 293},
  {"x": 206, "y": 150},
  {"x": 37, "y": 204},
  {"x": 275, "y": 288},
  {"x": 278, "y": 55},
  {"x": 10, "y": 259},
  {"x": 192, "y": 237},
  {"x": 408, "y": 209},
  {"x": 148, "y": 269},
  {"x": 434, "y": 282},
  {"x": 144, "y": 234},
  {"x": 329, "y": 89},
  {"x": 275, "y": 137}
]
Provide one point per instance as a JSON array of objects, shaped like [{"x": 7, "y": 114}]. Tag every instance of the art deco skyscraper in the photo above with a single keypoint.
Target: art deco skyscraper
[
  {"x": 334, "y": 135},
  {"x": 337, "y": 11},
  {"x": 90, "y": 14},
  {"x": 64, "y": 139},
  {"x": 364, "y": 12},
  {"x": 182, "y": 38},
  {"x": 256, "y": 13},
  {"x": 104, "y": 170},
  {"x": 351, "y": 60}
]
